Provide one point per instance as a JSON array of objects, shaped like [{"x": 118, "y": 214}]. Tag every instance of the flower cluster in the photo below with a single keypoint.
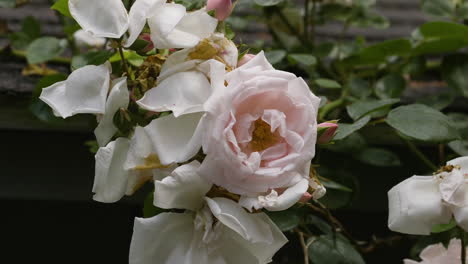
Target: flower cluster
[
  {"x": 421, "y": 202},
  {"x": 221, "y": 139}
]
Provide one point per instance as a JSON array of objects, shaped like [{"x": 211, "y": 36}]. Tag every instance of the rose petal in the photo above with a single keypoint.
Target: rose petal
[
  {"x": 415, "y": 206},
  {"x": 84, "y": 92},
  {"x": 166, "y": 238},
  {"x": 139, "y": 12},
  {"x": 110, "y": 180},
  {"x": 118, "y": 98},
  {"x": 103, "y": 18},
  {"x": 183, "y": 189},
  {"x": 175, "y": 139},
  {"x": 182, "y": 93}
]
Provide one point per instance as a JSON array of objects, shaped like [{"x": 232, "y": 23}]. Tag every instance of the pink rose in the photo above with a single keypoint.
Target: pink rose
[
  {"x": 223, "y": 8},
  {"x": 260, "y": 135}
]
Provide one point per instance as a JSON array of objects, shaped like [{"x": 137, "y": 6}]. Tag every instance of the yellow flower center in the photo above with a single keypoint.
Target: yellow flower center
[
  {"x": 151, "y": 162},
  {"x": 262, "y": 137}
]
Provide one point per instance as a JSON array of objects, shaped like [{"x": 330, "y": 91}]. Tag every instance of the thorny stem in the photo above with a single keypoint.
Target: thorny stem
[
  {"x": 419, "y": 154},
  {"x": 122, "y": 57},
  {"x": 304, "y": 246}
]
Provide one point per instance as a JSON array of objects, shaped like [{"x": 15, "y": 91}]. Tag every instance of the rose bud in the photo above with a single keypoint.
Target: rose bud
[
  {"x": 223, "y": 8},
  {"x": 147, "y": 37},
  {"x": 246, "y": 58},
  {"x": 326, "y": 131}
]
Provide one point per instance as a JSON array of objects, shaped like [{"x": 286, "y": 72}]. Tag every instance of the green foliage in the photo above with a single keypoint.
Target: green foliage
[
  {"x": 90, "y": 58},
  {"x": 304, "y": 59},
  {"x": 379, "y": 157},
  {"x": 44, "y": 49},
  {"x": 361, "y": 108},
  {"x": 390, "y": 86},
  {"x": 268, "y": 2},
  {"x": 30, "y": 30},
  {"x": 327, "y": 83},
  {"x": 275, "y": 56},
  {"x": 422, "y": 123},
  {"x": 62, "y": 7},
  {"x": 333, "y": 249},
  {"x": 7, "y": 3},
  {"x": 455, "y": 72},
  {"x": 286, "y": 220},
  {"x": 344, "y": 130}
]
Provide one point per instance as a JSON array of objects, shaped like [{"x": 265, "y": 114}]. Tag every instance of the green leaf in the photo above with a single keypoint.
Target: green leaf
[
  {"x": 328, "y": 84},
  {"x": 320, "y": 224},
  {"x": 329, "y": 184},
  {"x": 444, "y": 227},
  {"x": 377, "y": 53},
  {"x": 390, "y": 86},
  {"x": 131, "y": 56},
  {"x": 455, "y": 72},
  {"x": 44, "y": 49},
  {"x": 62, "y": 7},
  {"x": 285, "y": 220},
  {"x": 361, "y": 108},
  {"x": 90, "y": 58},
  {"x": 268, "y": 2},
  {"x": 438, "y": 101},
  {"x": 304, "y": 59},
  {"x": 275, "y": 56},
  {"x": 345, "y": 130},
  {"x": 31, "y": 27},
  {"x": 459, "y": 146},
  {"x": 422, "y": 123},
  {"x": 439, "y": 8},
  {"x": 440, "y": 37},
  {"x": 8, "y": 3},
  {"x": 329, "y": 249},
  {"x": 379, "y": 157},
  {"x": 359, "y": 88}
]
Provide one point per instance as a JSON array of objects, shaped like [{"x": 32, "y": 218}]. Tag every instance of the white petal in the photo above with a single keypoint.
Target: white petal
[
  {"x": 139, "y": 12},
  {"x": 450, "y": 187},
  {"x": 85, "y": 39},
  {"x": 255, "y": 233},
  {"x": 250, "y": 226},
  {"x": 173, "y": 28},
  {"x": 183, "y": 189},
  {"x": 462, "y": 162},
  {"x": 461, "y": 213},
  {"x": 182, "y": 93},
  {"x": 140, "y": 148},
  {"x": 163, "y": 239},
  {"x": 84, "y": 92},
  {"x": 175, "y": 139},
  {"x": 275, "y": 202},
  {"x": 118, "y": 98},
  {"x": 110, "y": 181},
  {"x": 164, "y": 22},
  {"x": 103, "y": 18},
  {"x": 415, "y": 206}
]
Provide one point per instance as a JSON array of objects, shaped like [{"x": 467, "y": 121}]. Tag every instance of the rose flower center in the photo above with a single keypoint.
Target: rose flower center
[{"x": 262, "y": 137}]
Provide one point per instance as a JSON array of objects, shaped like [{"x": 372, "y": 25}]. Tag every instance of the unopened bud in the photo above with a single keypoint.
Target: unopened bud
[
  {"x": 147, "y": 37},
  {"x": 326, "y": 132},
  {"x": 223, "y": 8}
]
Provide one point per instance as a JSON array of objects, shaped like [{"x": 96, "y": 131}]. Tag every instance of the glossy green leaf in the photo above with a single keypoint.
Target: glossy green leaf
[
  {"x": 329, "y": 249},
  {"x": 319, "y": 223},
  {"x": 329, "y": 184},
  {"x": 390, "y": 86},
  {"x": 444, "y": 227},
  {"x": 285, "y": 220},
  {"x": 377, "y": 53},
  {"x": 345, "y": 130},
  {"x": 422, "y": 123},
  {"x": 90, "y": 58},
  {"x": 379, "y": 157},
  {"x": 359, "y": 88},
  {"x": 62, "y": 7},
  {"x": 328, "y": 84},
  {"x": 304, "y": 59},
  {"x": 439, "y": 8},
  {"x": 361, "y": 108},
  {"x": 455, "y": 72},
  {"x": 268, "y": 2},
  {"x": 44, "y": 49},
  {"x": 275, "y": 56}
]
